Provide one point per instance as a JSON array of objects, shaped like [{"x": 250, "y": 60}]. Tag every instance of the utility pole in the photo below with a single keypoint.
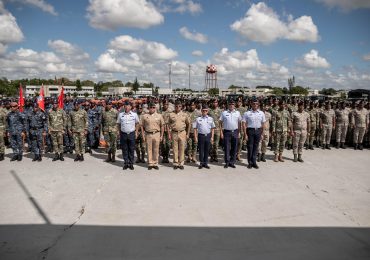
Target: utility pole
[
  {"x": 189, "y": 75},
  {"x": 169, "y": 75}
]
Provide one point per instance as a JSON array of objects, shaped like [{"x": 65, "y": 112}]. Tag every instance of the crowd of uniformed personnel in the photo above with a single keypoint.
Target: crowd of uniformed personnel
[{"x": 188, "y": 127}]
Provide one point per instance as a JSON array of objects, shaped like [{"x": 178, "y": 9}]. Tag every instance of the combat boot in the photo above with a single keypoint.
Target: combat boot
[
  {"x": 19, "y": 157},
  {"x": 338, "y": 145},
  {"x": 276, "y": 159},
  {"x": 77, "y": 158},
  {"x": 360, "y": 147},
  {"x": 295, "y": 158},
  {"x": 328, "y": 147},
  {"x": 40, "y": 158},
  {"x": 138, "y": 160},
  {"x": 113, "y": 157},
  {"x": 194, "y": 158},
  {"x": 71, "y": 150},
  {"x": 238, "y": 157},
  {"x": 300, "y": 158},
  {"x": 142, "y": 157},
  {"x": 109, "y": 159},
  {"x": 56, "y": 157},
  {"x": 258, "y": 157},
  {"x": 35, "y": 158},
  {"x": 342, "y": 145},
  {"x": 281, "y": 158},
  {"x": 263, "y": 157},
  {"x": 311, "y": 147},
  {"x": 1, "y": 157},
  {"x": 82, "y": 157},
  {"x": 14, "y": 158},
  {"x": 355, "y": 146},
  {"x": 61, "y": 157}
]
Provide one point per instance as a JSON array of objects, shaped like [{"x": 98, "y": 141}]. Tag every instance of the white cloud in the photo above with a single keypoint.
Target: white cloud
[
  {"x": 346, "y": 5},
  {"x": 197, "y": 53},
  {"x": 68, "y": 50},
  {"x": 238, "y": 60},
  {"x": 107, "y": 63},
  {"x": 313, "y": 60},
  {"x": 179, "y": 6},
  {"x": 112, "y": 14},
  {"x": 193, "y": 36},
  {"x": 366, "y": 57},
  {"x": 262, "y": 24},
  {"x": 9, "y": 29},
  {"x": 42, "y": 5}
]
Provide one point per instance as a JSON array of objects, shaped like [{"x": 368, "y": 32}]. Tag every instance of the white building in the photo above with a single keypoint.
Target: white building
[
  {"x": 54, "y": 90},
  {"x": 246, "y": 91}
]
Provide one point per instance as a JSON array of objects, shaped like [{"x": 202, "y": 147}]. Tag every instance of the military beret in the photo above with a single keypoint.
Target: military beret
[
  {"x": 232, "y": 101},
  {"x": 55, "y": 101},
  {"x": 151, "y": 104},
  {"x": 127, "y": 103},
  {"x": 204, "y": 107}
]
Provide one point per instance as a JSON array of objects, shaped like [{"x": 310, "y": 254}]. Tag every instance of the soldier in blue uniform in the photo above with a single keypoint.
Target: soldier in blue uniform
[
  {"x": 37, "y": 123},
  {"x": 93, "y": 117},
  {"x": 28, "y": 108},
  {"x": 16, "y": 129}
]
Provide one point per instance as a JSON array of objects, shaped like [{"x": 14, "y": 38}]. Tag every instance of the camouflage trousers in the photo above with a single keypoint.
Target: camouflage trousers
[
  {"x": 280, "y": 139},
  {"x": 68, "y": 140},
  {"x": 215, "y": 144},
  {"x": 311, "y": 136},
  {"x": 111, "y": 141},
  {"x": 57, "y": 140},
  {"x": 36, "y": 141},
  {"x": 326, "y": 134},
  {"x": 262, "y": 146},
  {"x": 140, "y": 147},
  {"x": 16, "y": 142},
  {"x": 358, "y": 135},
  {"x": 80, "y": 140},
  {"x": 165, "y": 145},
  {"x": 299, "y": 139},
  {"x": 191, "y": 146},
  {"x": 241, "y": 141},
  {"x": 2, "y": 142},
  {"x": 341, "y": 132}
]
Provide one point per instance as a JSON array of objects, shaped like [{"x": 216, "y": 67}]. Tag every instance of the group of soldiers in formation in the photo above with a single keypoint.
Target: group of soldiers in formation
[{"x": 156, "y": 125}]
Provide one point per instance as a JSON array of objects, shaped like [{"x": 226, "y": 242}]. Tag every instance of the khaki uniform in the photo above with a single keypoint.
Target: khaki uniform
[
  {"x": 57, "y": 123},
  {"x": 179, "y": 124},
  {"x": 152, "y": 125},
  {"x": 192, "y": 145},
  {"x": 78, "y": 125},
  {"x": 300, "y": 122},
  {"x": 109, "y": 125},
  {"x": 262, "y": 147},
  {"x": 314, "y": 120},
  {"x": 341, "y": 123},
  {"x": 360, "y": 120},
  {"x": 327, "y": 119},
  {"x": 291, "y": 108},
  {"x": 215, "y": 114},
  {"x": 280, "y": 122},
  {"x": 241, "y": 140}
]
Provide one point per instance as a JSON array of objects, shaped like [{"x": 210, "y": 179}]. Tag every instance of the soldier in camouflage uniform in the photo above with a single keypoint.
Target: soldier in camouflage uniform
[
  {"x": 139, "y": 140},
  {"x": 242, "y": 109},
  {"x": 215, "y": 113},
  {"x": 192, "y": 144},
  {"x": 3, "y": 114},
  {"x": 68, "y": 139},
  {"x": 291, "y": 107},
  {"x": 93, "y": 117},
  {"x": 319, "y": 109},
  {"x": 327, "y": 123},
  {"x": 109, "y": 119},
  {"x": 37, "y": 124},
  {"x": 78, "y": 123},
  {"x": 16, "y": 128},
  {"x": 57, "y": 123},
  {"x": 281, "y": 124},
  {"x": 262, "y": 147},
  {"x": 301, "y": 122},
  {"x": 342, "y": 123},
  {"x": 166, "y": 142},
  {"x": 313, "y": 126},
  {"x": 360, "y": 123}
]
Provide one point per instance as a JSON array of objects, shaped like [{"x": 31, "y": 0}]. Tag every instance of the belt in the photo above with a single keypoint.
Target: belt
[
  {"x": 178, "y": 131},
  {"x": 231, "y": 131},
  {"x": 151, "y": 133},
  {"x": 127, "y": 133},
  {"x": 204, "y": 134},
  {"x": 253, "y": 128}
]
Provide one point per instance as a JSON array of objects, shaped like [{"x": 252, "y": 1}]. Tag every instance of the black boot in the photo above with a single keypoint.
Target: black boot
[
  {"x": 77, "y": 158},
  {"x": 342, "y": 145},
  {"x": 19, "y": 157},
  {"x": 35, "y": 158},
  {"x": 300, "y": 158},
  {"x": 338, "y": 145},
  {"x": 14, "y": 158},
  {"x": 71, "y": 150},
  {"x": 355, "y": 146},
  {"x": 109, "y": 159},
  {"x": 258, "y": 157},
  {"x": 1, "y": 157},
  {"x": 142, "y": 157},
  {"x": 310, "y": 147},
  {"x": 40, "y": 158},
  {"x": 360, "y": 147},
  {"x": 82, "y": 158},
  {"x": 263, "y": 157},
  {"x": 295, "y": 158},
  {"x": 56, "y": 157},
  {"x": 328, "y": 146},
  {"x": 113, "y": 157},
  {"x": 61, "y": 157}
]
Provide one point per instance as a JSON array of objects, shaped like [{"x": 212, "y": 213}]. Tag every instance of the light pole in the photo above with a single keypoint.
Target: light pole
[{"x": 169, "y": 75}]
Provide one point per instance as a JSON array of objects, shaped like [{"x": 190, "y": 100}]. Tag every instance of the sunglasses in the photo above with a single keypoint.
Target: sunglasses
[
  {"x": 152, "y": 107},
  {"x": 14, "y": 106}
]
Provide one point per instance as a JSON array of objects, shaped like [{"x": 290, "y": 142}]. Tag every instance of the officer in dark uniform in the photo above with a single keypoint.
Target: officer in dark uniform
[
  {"x": 37, "y": 123},
  {"x": 16, "y": 129}
]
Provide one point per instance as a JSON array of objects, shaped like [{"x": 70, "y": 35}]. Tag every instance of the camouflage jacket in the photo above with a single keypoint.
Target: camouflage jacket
[
  {"x": 78, "y": 121},
  {"x": 280, "y": 121},
  {"x": 57, "y": 120},
  {"x": 109, "y": 120}
]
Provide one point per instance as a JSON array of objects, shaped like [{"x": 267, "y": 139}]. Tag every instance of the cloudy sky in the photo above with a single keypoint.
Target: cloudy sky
[{"x": 323, "y": 43}]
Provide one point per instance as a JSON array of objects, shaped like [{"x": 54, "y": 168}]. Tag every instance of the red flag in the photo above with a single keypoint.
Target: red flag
[
  {"x": 61, "y": 98},
  {"x": 41, "y": 99},
  {"x": 21, "y": 99}
]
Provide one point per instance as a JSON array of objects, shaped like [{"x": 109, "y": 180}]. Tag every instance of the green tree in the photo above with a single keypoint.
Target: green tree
[
  {"x": 299, "y": 90},
  {"x": 78, "y": 85},
  {"x": 233, "y": 87},
  {"x": 328, "y": 91},
  {"x": 75, "y": 94},
  {"x": 117, "y": 83},
  {"x": 135, "y": 87},
  {"x": 277, "y": 91},
  {"x": 99, "y": 94},
  {"x": 213, "y": 92},
  {"x": 87, "y": 83},
  {"x": 86, "y": 94}
]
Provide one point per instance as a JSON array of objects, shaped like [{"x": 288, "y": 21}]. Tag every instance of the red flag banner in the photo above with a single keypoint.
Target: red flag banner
[
  {"x": 21, "y": 99},
  {"x": 61, "y": 98},
  {"x": 41, "y": 99}
]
